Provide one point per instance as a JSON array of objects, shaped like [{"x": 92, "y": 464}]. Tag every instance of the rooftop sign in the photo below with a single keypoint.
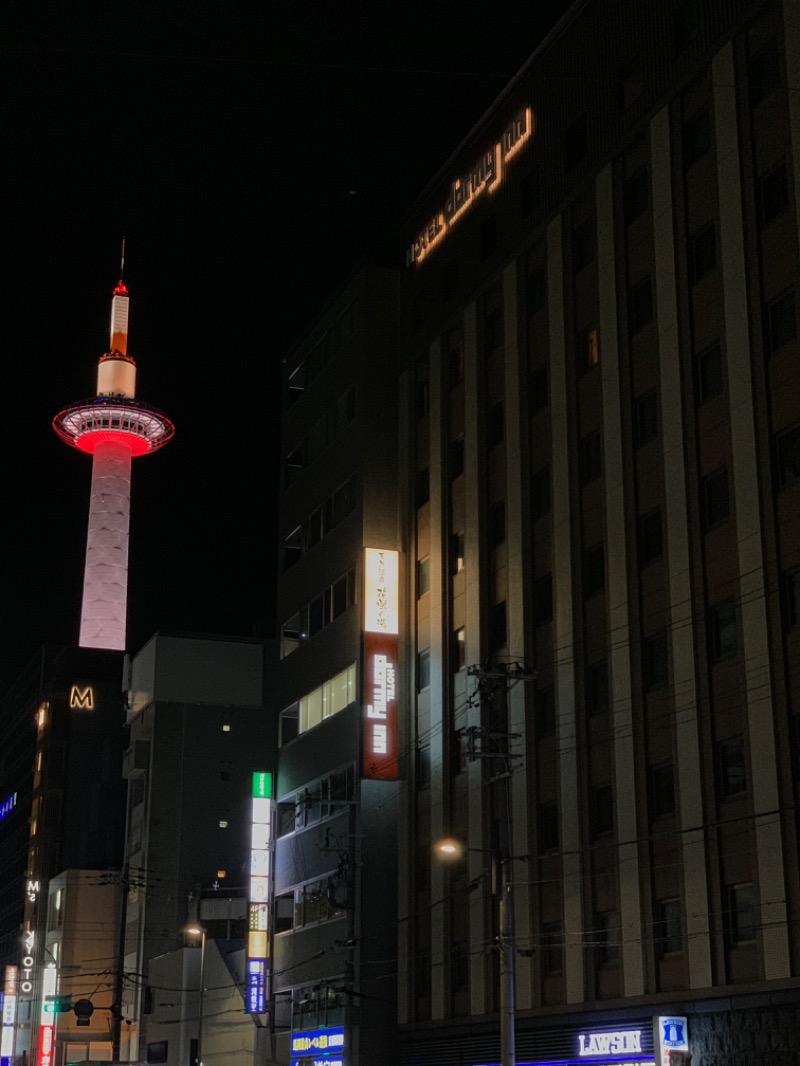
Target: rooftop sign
[{"x": 484, "y": 177}]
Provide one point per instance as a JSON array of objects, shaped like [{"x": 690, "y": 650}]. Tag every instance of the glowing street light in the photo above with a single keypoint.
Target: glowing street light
[
  {"x": 199, "y": 930},
  {"x": 452, "y": 850}
]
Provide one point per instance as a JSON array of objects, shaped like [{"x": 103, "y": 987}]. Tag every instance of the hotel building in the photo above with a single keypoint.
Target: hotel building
[{"x": 600, "y": 458}]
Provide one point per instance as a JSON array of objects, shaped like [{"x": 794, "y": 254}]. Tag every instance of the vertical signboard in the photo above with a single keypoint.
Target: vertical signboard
[
  {"x": 47, "y": 1019},
  {"x": 381, "y": 627},
  {"x": 9, "y": 1015},
  {"x": 670, "y": 1034},
  {"x": 259, "y": 894}
]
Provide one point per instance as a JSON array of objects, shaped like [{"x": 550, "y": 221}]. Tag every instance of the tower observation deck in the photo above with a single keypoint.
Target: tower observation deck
[{"x": 113, "y": 427}]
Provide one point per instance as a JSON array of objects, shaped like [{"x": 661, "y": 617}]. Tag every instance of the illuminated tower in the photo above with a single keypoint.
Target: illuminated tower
[{"x": 113, "y": 428}]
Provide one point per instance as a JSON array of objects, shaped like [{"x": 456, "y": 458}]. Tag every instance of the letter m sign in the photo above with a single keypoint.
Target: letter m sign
[{"x": 82, "y": 698}]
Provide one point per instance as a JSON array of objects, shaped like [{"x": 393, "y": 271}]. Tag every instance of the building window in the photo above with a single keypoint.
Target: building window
[
  {"x": 543, "y": 600},
  {"x": 588, "y": 350},
  {"x": 703, "y": 252},
  {"x": 594, "y": 570},
  {"x": 650, "y": 537},
  {"x": 597, "y": 701},
  {"x": 459, "y": 965},
  {"x": 740, "y": 913},
  {"x": 640, "y": 305},
  {"x": 662, "y": 790},
  {"x": 630, "y": 83},
  {"x": 548, "y": 826},
  {"x": 773, "y": 191},
  {"x": 158, "y": 1051},
  {"x": 656, "y": 661},
  {"x": 488, "y": 237},
  {"x": 722, "y": 631},
  {"x": 668, "y": 938},
  {"x": 781, "y": 322},
  {"x": 788, "y": 456},
  {"x": 530, "y": 192},
  {"x": 498, "y": 634},
  {"x": 645, "y": 414},
  {"x": 764, "y": 74},
  {"x": 455, "y": 458},
  {"x": 497, "y": 524},
  {"x": 295, "y": 464},
  {"x": 539, "y": 390},
  {"x": 732, "y": 771},
  {"x": 293, "y": 546},
  {"x": 495, "y": 426},
  {"x": 423, "y": 576},
  {"x": 459, "y": 649},
  {"x": 715, "y": 498},
  {"x": 608, "y": 938},
  {"x": 423, "y": 670},
  {"x": 455, "y": 364},
  {"x": 423, "y": 768},
  {"x": 791, "y": 585},
  {"x": 544, "y": 704},
  {"x": 637, "y": 195},
  {"x": 590, "y": 458},
  {"x": 294, "y": 632},
  {"x": 696, "y": 137},
  {"x": 540, "y": 492},
  {"x": 493, "y": 330},
  {"x": 709, "y": 373},
  {"x": 552, "y": 949},
  {"x": 576, "y": 141},
  {"x": 601, "y": 810},
  {"x": 582, "y": 246},
  {"x": 423, "y": 487},
  {"x": 536, "y": 290},
  {"x": 457, "y": 553},
  {"x": 686, "y": 24}
]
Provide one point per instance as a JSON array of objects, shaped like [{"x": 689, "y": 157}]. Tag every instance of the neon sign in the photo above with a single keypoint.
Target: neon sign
[
  {"x": 381, "y": 627},
  {"x": 82, "y": 698},
  {"x": 8, "y": 805},
  {"x": 26, "y": 979},
  {"x": 624, "y": 1042},
  {"x": 314, "y": 1040},
  {"x": 484, "y": 177},
  {"x": 258, "y": 903}
]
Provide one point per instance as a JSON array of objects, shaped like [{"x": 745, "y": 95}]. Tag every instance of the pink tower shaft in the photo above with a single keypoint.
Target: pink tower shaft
[{"x": 105, "y": 579}]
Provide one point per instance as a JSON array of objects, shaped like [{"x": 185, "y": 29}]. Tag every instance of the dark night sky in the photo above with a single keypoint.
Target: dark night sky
[{"x": 251, "y": 154}]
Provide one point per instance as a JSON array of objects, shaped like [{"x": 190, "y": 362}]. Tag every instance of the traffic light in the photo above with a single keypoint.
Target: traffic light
[{"x": 58, "y": 1004}]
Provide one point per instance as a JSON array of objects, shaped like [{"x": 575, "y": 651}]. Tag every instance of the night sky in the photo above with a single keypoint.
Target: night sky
[{"x": 252, "y": 155}]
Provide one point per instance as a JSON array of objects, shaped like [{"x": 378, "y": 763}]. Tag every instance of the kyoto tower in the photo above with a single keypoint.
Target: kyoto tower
[{"x": 113, "y": 428}]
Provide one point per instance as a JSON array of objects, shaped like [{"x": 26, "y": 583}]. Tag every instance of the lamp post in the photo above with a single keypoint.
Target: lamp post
[
  {"x": 451, "y": 850},
  {"x": 199, "y": 930}
]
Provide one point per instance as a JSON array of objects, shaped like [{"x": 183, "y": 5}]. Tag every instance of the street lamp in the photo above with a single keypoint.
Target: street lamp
[
  {"x": 199, "y": 930},
  {"x": 451, "y": 850}
]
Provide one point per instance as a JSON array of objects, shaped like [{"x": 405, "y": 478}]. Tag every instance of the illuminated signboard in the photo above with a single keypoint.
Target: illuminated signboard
[
  {"x": 26, "y": 970},
  {"x": 669, "y": 1034},
  {"x": 258, "y": 897},
  {"x": 8, "y": 805},
  {"x": 9, "y": 1015},
  {"x": 620, "y": 1047},
  {"x": 484, "y": 177},
  {"x": 381, "y": 627},
  {"x": 46, "y": 1045},
  {"x": 81, "y": 698},
  {"x": 313, "y": 1041}
]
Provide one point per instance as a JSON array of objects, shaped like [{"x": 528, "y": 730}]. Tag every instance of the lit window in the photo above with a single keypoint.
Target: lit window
[
  {"x": 223, "y": 824},
  {"x": 226, "y": 729},
  {"x": 222, "y": 874}
]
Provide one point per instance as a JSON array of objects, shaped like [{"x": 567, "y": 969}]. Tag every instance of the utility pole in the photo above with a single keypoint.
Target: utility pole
[
  {"x": 116, "y": 1005},
  {"x": 483, "y": 744}
]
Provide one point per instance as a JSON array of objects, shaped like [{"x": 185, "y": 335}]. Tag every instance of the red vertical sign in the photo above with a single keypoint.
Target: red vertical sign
[{"x": 380, "y": 706}]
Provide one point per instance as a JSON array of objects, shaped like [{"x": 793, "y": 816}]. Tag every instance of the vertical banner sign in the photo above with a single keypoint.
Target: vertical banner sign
[
  {"x": 47, "y": 1020},
  {"x": 259, "y": 894},
  {"x": 9, "y": 1015},
  {"x": 670, "y": 1034},
  {"x": 381, "y": 627}
]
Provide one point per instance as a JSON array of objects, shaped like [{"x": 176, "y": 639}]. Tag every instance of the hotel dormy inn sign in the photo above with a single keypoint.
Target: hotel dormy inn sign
[{"x": 484, "y": 177}]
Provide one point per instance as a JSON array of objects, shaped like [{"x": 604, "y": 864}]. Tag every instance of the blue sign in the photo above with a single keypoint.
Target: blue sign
[
  {"x": 314, "y": 1041},
  {"x": 256, "y": 986},
  {"x": 8, "y": 805}
]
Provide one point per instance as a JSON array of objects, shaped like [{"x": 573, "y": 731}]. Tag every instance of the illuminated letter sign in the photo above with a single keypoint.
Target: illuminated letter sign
[
  {"x": 381, "y": 626},
  {"x": 81, "y": 697},
  {"x": 669, "y": 1034},
  {"x": 8, "y": 805},
  {"x": 26, "y": 970},
  {"x": 258, "y": 901},
  {"x": 621, "y": 1042},
  {"x": 310, "y": 1041},
  {"x": 484, "y": 177}
]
